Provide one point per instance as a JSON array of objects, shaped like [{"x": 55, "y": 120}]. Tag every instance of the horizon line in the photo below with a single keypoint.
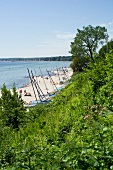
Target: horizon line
[{"x": 32, "y": 56}]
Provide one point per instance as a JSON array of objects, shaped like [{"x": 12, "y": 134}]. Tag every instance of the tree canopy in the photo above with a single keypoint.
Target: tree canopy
[
  {"x": 108, "y": 48},
  {"x": 87, "y": 40}
]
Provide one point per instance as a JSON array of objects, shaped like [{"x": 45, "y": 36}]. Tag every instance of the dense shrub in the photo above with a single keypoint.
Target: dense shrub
[
  {"x": 12, "y": 108},
  {"x": 74, "y": 131}
]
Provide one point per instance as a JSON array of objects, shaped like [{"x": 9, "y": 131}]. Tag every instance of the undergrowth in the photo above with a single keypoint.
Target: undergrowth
[{"x": 74, "y": 131}]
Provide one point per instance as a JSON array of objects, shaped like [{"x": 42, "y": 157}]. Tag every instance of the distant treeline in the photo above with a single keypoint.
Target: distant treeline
[{"x": 59, "y": 58}]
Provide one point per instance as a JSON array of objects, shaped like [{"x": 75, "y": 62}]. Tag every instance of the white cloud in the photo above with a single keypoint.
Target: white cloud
[
  {"x": 103, "y": 25},
  {"x": 110, "y": 23},
  {"x": 65, "y": 36},
  {"x": 54, "y": 47},
  {"x": 109, "y": 26}
]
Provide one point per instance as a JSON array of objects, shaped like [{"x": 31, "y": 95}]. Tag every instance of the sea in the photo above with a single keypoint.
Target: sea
[{"x": 17, "y": 73}]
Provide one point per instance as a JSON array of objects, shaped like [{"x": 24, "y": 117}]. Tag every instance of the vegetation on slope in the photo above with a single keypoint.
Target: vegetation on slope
[{"x": 74, "y": 131}]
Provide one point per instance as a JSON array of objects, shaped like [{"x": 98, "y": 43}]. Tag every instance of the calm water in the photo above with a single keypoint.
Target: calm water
[{"x": 16, "y": 72}]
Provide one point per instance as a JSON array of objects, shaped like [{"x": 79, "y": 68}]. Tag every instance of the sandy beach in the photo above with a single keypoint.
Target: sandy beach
[{"x": 44, "y": 85}]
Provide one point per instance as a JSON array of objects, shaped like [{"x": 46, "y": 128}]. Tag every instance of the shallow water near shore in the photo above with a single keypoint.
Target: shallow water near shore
[{"x": 16, "y": 72}]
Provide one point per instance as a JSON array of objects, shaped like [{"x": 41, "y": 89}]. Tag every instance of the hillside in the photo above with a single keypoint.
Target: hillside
[{"x": 74, "y": 131}]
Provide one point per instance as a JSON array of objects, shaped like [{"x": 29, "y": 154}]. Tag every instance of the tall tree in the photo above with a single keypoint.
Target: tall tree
[{"x": 87, "y": 40}]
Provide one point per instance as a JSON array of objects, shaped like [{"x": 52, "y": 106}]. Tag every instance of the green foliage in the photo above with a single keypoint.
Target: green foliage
[
  {"x": 12, "y": 108},
  {"x": 97, "y": 74},
  {"x": 87, "y": 40},
  {"x": 74, "y": 131},
  {"x": 79, "y": 63},
  {"x": 108, "y": 48}
]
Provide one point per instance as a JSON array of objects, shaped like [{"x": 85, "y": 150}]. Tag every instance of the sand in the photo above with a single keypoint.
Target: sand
[{"x": 44, "y": 85}]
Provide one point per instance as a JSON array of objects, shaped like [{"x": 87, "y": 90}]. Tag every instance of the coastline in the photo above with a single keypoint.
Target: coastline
[
  {"x": 16, "y": 72},
  {"x": 45, "y": 84}
]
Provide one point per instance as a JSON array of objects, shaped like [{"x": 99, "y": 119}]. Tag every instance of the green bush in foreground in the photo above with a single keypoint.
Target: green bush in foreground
[{"x": 12, "y": 108}]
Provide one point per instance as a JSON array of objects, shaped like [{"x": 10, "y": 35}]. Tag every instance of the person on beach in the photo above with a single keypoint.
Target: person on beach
[{"x": 26, "y": 93}]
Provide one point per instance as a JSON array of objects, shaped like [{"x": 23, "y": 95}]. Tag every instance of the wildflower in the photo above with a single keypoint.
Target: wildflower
[
  {"x": 104, "y": 108},
  {"x": 100, "y": 112},
  {"x": 85, "y": 107},
  {"x": 94, "y": 107},
  {"x": 96, "y": 111},
  {"x": 87, "y": 116}
]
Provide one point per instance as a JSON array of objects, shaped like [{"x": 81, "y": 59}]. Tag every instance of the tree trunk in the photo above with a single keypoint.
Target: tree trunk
[{"x": 91, "y": 54}]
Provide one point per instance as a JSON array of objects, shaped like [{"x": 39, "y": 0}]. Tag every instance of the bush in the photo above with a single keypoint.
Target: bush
[
  {"x": 12, "y": 108},
  {"x": 79, "y": 63}
]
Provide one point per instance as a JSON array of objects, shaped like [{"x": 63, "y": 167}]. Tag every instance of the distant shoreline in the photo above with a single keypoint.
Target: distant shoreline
[
  {"x": 32, "y": 61},
  {"x": 59, "y": 58}
]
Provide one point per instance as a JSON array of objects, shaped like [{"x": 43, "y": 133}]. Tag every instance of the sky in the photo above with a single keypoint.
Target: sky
[{"x": 45, "y": 28}]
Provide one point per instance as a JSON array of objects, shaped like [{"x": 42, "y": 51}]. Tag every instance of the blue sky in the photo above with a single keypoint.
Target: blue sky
[{"x": 37, "y": 28}]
